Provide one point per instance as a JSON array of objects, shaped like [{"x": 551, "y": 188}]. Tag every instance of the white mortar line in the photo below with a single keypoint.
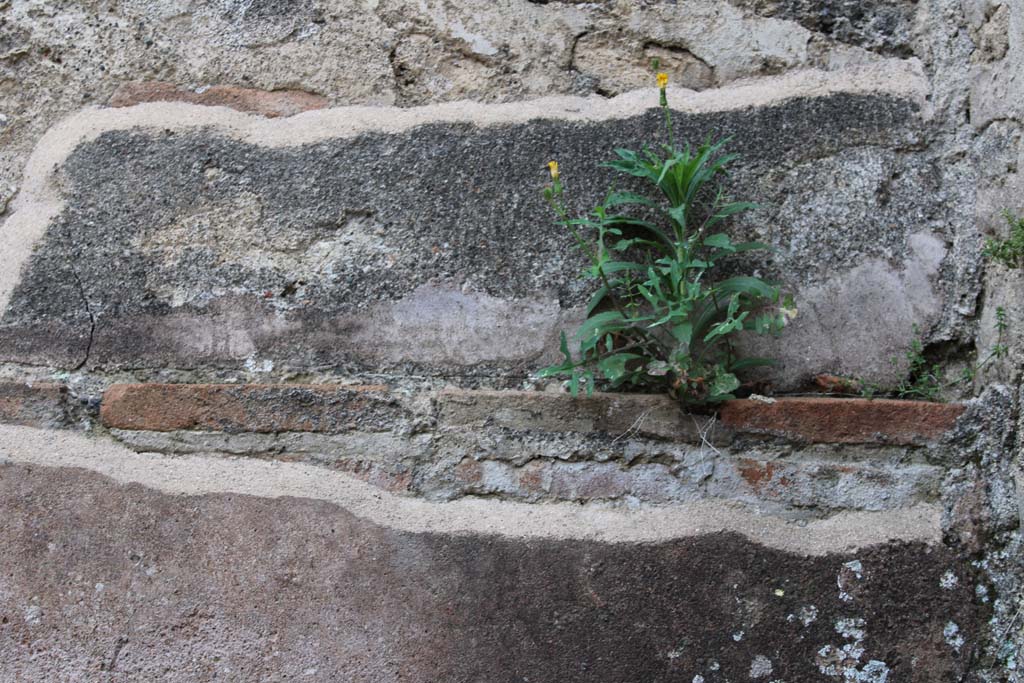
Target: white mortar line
[
  {"x": 39, "y": 201},
  {"x": 197, "y": 475}
]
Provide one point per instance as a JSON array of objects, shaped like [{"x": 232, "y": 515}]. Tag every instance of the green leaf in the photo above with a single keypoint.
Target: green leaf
[
  {"x": 746, "y": 363},
  {"x": 595, "y": 301},
  {"x": 619, "y": 266},
  {"x": 678, "y": 214},
  {"x": 574, "y": 383},
  {"x": 614, "y": 367},
  {"x": 723, "y": 385},
  {"x": 617, "y": 198},
  {"x": 600, "y": 324},
  {"x": 728, "y": 210},
  {"x": 751, "y": 286},
  {"x": 639, "y": 223},
  {"x": 633, "y": 168},
  {"x": 683, "y": 333},
  {"x": 719, "y": 241},
  {"x": 553, "y": 370},
  {"x": 726, "y": 327}
]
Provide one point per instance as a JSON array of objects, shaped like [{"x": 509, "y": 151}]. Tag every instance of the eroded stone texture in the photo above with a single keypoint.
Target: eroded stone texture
[{"x": 130, "y": 584}]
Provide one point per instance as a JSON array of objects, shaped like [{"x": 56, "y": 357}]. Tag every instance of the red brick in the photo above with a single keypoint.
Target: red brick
[
  {"x": 843, "y": 420},
  {"x": 266, "y": 103},
  {"x": 33, "y": 405},
  {"x": 261, "y": 408}
]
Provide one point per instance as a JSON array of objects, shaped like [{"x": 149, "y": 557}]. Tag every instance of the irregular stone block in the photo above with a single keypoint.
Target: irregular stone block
[
  {"x": 826, "y": 486},
  {"x": 381, "y": 240},
  {"x": 249, "y": 407},
  {"x": 578, "y": 482},
  {"x": 33, "y": 405},
  {"x": 842, "y": 420},
  {"x": 621, "y": 415},
  {"x": 799, "y": 486}
]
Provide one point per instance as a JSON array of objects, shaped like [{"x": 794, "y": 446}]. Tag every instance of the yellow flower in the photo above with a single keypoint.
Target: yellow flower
[
  {"x": 662, "y": 81},
  {"x": 553, "y": 167}
]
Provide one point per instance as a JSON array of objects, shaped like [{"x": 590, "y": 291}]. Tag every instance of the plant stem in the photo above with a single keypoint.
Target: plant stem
[{"x": 668, "y": 120}]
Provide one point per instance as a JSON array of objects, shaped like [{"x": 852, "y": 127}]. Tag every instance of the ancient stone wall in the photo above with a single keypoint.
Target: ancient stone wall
[{"x": 276, "y": 278}]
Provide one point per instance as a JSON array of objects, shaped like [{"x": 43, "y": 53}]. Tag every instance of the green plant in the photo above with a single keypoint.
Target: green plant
[
  {"x": 1009, "y": 252},
  {"x": 659, "y": 318},
  {"x": 924, "y": 379}
]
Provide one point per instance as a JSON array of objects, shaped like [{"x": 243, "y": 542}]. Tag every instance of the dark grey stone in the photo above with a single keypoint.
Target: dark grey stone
[{"x": 194, "y": 250}]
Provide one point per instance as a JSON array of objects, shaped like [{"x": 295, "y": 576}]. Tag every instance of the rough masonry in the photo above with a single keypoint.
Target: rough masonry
[{"x": 275, "y": 278}]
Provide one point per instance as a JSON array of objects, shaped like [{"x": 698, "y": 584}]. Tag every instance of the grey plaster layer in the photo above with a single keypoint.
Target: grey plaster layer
[
  {"x": 196, "y": 475},
  {"x": 388, "y": 250},
  {"x": 119, "y": 582}
]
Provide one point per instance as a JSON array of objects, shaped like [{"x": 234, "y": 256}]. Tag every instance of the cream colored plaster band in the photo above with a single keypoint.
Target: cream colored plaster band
[
  {"x": 39, "y": 201},
  {"x": 198, "y": 475}
]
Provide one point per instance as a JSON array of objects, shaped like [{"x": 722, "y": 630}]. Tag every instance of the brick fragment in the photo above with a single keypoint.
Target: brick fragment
[
  {"x": 271, "y": 104},
  {"x": 839, "y": 420},
  {"x": 261, "y": 408},
  {"x": 32, "y": 405}
]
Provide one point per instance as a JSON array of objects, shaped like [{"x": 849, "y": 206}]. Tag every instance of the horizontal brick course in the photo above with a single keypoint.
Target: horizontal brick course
[
  {"x": 32, "y": 405},
  {"x": 271, "y": 104},
  {"x": 332, "y": 408},
  {"x": 843, "y": 420},
  {"x": 261, "y": 408}
]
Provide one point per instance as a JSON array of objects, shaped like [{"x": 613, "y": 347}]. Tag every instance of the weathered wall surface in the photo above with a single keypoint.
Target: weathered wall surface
[
  {"x": 196, "y": 566},
  {"x": 191, "y": 250},
  {"x": 340, "y": 201},
  {"x": 865, "y": 163}
]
